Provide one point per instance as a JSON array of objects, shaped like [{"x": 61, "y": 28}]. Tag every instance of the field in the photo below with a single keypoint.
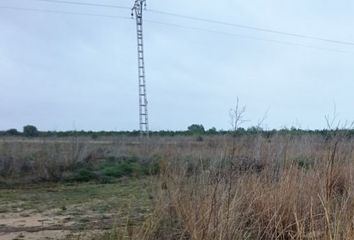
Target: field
[
  {"x": 281, "y": 186},
  {"x": 70, "y": 211}
]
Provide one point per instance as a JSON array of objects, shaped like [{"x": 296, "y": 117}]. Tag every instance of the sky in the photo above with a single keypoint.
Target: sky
[{"x": 77, "y": 72}]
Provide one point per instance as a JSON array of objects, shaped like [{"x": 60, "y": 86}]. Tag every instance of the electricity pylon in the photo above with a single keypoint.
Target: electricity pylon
[{"x": 137, "y": 11}]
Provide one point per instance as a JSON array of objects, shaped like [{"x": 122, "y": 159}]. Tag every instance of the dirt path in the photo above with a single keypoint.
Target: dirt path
[{"x": 45, "y": 226}]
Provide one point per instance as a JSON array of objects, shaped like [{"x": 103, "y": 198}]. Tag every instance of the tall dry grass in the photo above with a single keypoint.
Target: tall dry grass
[
  {"x": 258, "y": 188},
  {"x": 250, "y": 187},
  {"x": 28, "y": 160}
]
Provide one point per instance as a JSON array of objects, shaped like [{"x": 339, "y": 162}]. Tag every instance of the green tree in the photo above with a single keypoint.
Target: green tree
[
  {"x": 12, "y": 132},
  {"x": 30, "y": 131},
  {"x": 196, "y": 128},
  {"x": 212, "y": 130}
]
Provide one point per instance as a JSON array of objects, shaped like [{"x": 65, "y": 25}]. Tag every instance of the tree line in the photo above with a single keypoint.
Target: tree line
[{"x": 192, "y": 130}]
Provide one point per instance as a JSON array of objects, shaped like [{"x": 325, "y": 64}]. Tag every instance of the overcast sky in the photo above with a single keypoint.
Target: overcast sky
[{"x": 63, "y": 72}]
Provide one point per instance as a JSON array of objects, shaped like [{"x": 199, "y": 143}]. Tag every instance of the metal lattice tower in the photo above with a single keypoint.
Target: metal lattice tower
[{"x": 143, "y": 103}]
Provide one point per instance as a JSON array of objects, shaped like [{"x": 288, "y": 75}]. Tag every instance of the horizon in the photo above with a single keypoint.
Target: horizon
[{"x": 286, "y": 128}]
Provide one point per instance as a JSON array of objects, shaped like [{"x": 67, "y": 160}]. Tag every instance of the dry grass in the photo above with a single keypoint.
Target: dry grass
[
  {"x": 283, "y": 187},
  {"x": 279, "y": 188}
]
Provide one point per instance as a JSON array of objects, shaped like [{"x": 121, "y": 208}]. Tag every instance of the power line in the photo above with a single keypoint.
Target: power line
[
  {"x": 84, "y": 4},
  {"x": 63, "y": 12},
  {"x": 250, "y": 37},
  {"x": 213, "y": 21},
  {"x": 179, "y": 26},
  {"x": 253, "y": 28}
]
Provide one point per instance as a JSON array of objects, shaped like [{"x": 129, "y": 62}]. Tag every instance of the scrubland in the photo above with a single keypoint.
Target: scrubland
[{"x": 281, "y": 186}]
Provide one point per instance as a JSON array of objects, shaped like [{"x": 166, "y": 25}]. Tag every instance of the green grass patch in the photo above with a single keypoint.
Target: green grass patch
[
  {"x": 111, "y": 169},
  {"x": 79, "y": 198}
]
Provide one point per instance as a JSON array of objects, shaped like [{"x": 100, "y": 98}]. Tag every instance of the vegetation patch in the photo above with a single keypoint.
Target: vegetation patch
[
  {"x": 303, "y": 162},
  {"x": 111, "y": 169},
  {"x": 72, "y": 209}
]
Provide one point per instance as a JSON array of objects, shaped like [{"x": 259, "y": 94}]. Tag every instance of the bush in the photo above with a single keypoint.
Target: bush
[
  {"x": 85, "y": 175},
  {"x": 110, "y": 169},
  {"x": 124, "y": 169},
  {"x": 114, "y": 171}
]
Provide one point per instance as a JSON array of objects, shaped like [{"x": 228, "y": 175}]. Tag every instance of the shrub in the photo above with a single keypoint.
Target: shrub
[
  {"x": 110, "y": 169},
  {"x": 114, "y": 171},
  {"x": 123, "y": 169},
  {"x": 85, "y": 175}
]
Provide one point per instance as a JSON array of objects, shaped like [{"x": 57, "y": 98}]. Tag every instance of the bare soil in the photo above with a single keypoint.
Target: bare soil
[{"x": 80, "y": 211}]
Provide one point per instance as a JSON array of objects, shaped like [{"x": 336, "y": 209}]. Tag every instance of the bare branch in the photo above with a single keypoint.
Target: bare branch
[
  {"x": 262, "y": 120},
  {"x": 237, "y": 115},
  {"x": 331, "y": 119}
]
